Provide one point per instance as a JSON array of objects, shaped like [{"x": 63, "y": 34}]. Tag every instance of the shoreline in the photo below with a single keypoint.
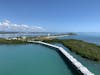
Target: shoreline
[{"x": 84, "y": 49}]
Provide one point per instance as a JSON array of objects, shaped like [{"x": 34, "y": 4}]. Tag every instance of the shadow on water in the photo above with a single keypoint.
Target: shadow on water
[
  {"x": 69, "y": 64},
  {"x": 66, "y": 61}
]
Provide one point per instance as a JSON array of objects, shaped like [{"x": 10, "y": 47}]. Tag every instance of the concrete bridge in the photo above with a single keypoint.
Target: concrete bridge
[{"x": 76, "y": 63}]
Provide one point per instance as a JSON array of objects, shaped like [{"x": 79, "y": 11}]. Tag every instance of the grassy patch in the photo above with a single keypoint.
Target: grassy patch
[{"x": 82, "y": 48}]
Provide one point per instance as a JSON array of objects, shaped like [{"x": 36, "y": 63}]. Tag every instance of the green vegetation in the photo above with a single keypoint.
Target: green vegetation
[
  {"x": 84, "y": 49},
  {"x": 4, "y": 41}
]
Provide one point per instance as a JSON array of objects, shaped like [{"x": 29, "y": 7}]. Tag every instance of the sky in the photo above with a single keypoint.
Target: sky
[{"x": 50, "y": 15}]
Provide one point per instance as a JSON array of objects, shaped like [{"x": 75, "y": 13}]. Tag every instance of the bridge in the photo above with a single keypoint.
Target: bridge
[{"x": 74, "y": 61}]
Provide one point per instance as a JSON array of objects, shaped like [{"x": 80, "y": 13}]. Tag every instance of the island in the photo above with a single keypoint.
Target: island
[
  {"x": 87, "y": 50},
  {"x": 12, "y": 41},
  {"x": 84, "y": 49}
]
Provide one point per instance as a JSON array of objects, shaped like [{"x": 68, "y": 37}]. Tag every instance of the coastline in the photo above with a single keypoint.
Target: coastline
[{"x": 84, "y": 49}]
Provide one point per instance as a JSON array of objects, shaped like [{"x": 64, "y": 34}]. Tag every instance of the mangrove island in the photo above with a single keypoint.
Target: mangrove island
[{"x": 87, "y": 50}]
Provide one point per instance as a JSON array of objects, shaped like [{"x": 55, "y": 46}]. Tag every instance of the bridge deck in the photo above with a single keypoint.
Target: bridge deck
[{"x": 76, "y": 63}]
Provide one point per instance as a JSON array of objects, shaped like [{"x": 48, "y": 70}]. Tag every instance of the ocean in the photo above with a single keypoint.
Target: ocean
[{"x": 34, "y": 59}]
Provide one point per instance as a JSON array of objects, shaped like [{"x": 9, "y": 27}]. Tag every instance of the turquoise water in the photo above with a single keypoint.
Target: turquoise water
[
  {"x": 92, "y": 37},
  {"x": 89, "y": 37},
  {"x": 32, "y": 59}
]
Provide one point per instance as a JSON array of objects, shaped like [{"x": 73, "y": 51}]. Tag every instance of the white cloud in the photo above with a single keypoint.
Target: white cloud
[{"x": 6, "y": 25}]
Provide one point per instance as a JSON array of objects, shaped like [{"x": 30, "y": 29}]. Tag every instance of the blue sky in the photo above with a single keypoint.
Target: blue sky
[{"x": 54, "y": 15}]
